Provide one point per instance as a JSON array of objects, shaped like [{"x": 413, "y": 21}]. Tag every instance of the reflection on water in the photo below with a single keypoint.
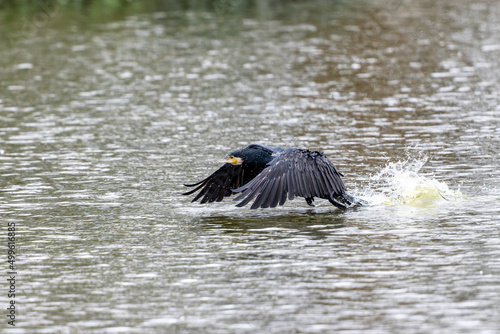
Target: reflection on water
[{"x": 101, "y": 124}]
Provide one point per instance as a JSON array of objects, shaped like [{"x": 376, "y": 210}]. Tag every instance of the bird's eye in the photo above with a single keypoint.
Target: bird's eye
[{"x": 231, "y": 157}]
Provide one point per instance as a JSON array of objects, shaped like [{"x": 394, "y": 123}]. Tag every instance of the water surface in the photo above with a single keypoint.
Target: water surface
[{"x": 101, "y": 124}]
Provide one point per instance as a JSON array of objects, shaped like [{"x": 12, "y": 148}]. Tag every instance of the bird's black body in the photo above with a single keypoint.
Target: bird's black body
[{"x": 270, "y": 175}]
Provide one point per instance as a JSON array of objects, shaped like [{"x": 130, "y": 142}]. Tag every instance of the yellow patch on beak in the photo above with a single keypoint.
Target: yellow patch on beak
[
  {"x": 230, "y": 159},
  {"x": 233, "y": 160}
]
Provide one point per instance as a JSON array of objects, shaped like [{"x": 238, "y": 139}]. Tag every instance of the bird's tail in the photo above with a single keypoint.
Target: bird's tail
[{"x": 345, "y": 201}]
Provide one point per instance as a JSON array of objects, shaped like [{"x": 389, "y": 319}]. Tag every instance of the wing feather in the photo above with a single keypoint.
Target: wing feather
[
  {"x": 284, "y": 190},
  {"x": 291, "y": 186},
  {"x": 278, "y": 192},
  {"x": 292, "y": 172},
  {"x": 217, "y": 185},
  {"x": 262, "y": 199},
  {"x": 252, "y": 189}
]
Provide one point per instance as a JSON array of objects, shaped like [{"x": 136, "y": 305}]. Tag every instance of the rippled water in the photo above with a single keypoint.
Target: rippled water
[{"x": 101, "y": 125}]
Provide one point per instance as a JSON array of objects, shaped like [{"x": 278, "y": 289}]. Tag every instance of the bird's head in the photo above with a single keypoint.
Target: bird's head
[{"x": 231, "y": 159}]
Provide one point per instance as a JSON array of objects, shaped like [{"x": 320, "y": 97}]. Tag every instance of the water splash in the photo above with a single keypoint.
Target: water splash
[{"x": 400, "y": 183}]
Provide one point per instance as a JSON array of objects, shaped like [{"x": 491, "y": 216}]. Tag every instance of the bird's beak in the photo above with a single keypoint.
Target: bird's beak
[
  {"x": 230, "y": 160},
  {"x": 222, "y": 161}
]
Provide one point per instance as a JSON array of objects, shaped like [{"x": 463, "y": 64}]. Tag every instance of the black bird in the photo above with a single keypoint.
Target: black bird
[{"x": 271, "y": 174}]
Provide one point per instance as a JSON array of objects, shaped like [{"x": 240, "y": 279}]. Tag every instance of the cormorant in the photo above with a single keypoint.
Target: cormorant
[{"x": 271, "y": 174}]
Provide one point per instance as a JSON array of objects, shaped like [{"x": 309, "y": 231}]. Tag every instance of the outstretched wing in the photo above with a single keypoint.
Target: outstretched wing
[
  {"x": 218, "y": 185},
  {"x": 293, "y": 172}
]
